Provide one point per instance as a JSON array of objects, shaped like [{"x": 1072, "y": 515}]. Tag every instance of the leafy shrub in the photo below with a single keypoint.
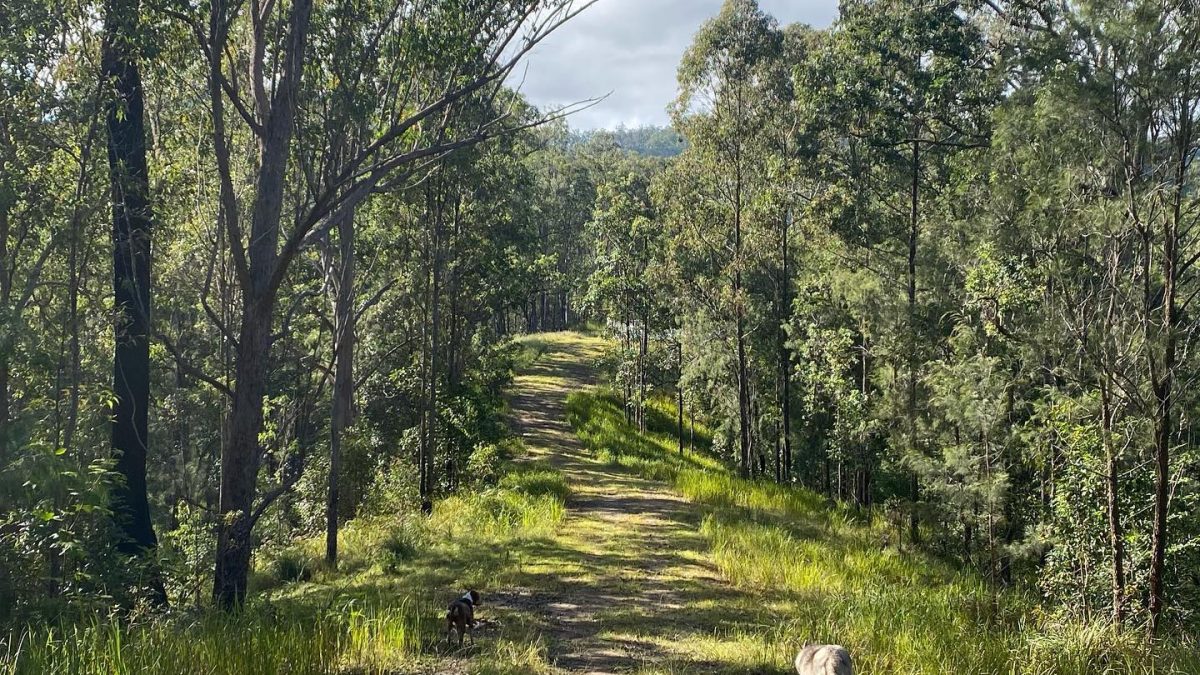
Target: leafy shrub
[{"x": 485, "y": 464}]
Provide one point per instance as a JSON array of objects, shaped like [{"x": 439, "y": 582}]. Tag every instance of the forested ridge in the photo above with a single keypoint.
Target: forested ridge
[{"x": 916, "y": 288}]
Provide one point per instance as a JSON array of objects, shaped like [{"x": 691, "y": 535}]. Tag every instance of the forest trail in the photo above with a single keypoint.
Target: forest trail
[{"x": 627, "y": 575}]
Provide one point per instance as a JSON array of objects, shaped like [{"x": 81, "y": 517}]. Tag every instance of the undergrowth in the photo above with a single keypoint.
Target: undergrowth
[
  {"x": 379, "y": 612},
  {"x": 829, "y": 577}
]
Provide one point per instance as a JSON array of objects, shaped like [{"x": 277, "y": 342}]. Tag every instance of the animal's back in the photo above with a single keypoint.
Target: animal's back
[
  {"x": 824, "y": 660},
  {"x": 460, "y": 612}
]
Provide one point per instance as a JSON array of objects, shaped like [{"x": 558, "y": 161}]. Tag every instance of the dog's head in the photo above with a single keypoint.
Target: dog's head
[{"x": 474, "y": 596}]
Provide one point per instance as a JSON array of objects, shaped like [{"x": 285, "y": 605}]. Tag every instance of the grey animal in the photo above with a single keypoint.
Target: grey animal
[{"x": 823, "y": 660}]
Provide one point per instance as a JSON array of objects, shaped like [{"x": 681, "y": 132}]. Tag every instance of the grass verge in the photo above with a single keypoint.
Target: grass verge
[
  {"x": 380, "y": 613},
  {"x": 824, "y": 574}
]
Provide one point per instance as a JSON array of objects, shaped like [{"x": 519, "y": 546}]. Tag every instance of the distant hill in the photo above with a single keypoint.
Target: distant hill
[{"x": 651, "y": 141}]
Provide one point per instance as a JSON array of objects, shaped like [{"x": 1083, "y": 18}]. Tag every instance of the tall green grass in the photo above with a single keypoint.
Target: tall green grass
[
  {"x": 828, "y": 577},
  {"x": 252, "y": 642},
  {"x": 381, "y": 612}
]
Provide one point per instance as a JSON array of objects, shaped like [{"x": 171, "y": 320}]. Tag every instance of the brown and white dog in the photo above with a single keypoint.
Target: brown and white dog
[
  {"x": 461, "y": 616},
  {"x": 823, "y": 660}
]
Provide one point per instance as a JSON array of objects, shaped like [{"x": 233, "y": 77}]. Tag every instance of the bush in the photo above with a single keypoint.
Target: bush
[
  {"x": 405, "y": 539},
  {"x": 485, "y": 465},
  {"x": 292, "y": 565}
]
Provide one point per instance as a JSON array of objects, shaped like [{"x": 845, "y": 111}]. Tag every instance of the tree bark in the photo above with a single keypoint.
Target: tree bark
[
  {"x": 911, "y": 412},
  {"x": 131, "y": 231},
  {"x": 241, "y": 452},
  {"x": 343, "y": 379},
  {"x": 431, "y": 411},
  {"x": 241, "y": 455},
  {"x": 679, "y": 392},
  {"x": 743, "y": 378},
  {"x": 1164, "y": 396},
  {"x": 1115, "y": 534},
  {"x": 785, "y": 356}
]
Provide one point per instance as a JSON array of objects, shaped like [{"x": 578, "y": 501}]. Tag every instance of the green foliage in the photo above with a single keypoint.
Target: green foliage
[
  {"x": 649, "y": 141},
  {"x": 483, "y": 467}
]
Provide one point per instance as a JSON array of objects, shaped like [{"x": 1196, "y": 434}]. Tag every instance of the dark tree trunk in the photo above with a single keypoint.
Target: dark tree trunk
[
  {"x": 343, "y": 379},
  {"x": 911, "y": 412},
  {"x": 241, "y": 455},
  {"x": 131, "y": 225},
  {"x": 6, "y": 299},
  {"x": 431, "y": 410}
]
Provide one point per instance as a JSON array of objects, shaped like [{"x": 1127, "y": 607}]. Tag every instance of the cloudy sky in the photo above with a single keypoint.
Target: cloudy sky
[{"x": 631, "y": 48}]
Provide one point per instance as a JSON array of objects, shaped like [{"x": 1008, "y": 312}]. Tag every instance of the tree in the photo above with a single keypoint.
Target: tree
[
  {"x": 474, "y": 58},
  {"x": 720, "y": 113},
  {"x": 132, "y": 216},
  {"x": 913, "y": 94}
]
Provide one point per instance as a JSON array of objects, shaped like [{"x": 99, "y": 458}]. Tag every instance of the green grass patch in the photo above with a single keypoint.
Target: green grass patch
[
  {"x": 529, "y": 349},
  {"x": 824, "y": 575}
]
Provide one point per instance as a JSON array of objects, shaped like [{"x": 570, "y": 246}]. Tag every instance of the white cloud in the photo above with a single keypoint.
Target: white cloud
[{"x": 632, "y": 48}]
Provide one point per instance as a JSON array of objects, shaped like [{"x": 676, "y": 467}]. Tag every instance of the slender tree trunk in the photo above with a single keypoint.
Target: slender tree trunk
[
  {"x": 911, "y": 412},
  {"x": 131, "y": 219},
  {"x": 454, "y": 359},
  {"x": 1164, "y": 396},
  {"x": 643, "y": 352},
  {"x": 343, "y": 380},
  {"x": 743, "y": 378},
  {"x": 679, "y": 392},
  {"x": 1115, "y": 534},
  {"x": 625, "y": 385},
  {"x": 785, "y": 355},
  {"x": 431, "y": 409},
  {"x": 779, "y": 452},
  {"x": 5, "y": 301},
  {"x": 74, "y": 375},
  {"x": 692, "y": 423}
]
